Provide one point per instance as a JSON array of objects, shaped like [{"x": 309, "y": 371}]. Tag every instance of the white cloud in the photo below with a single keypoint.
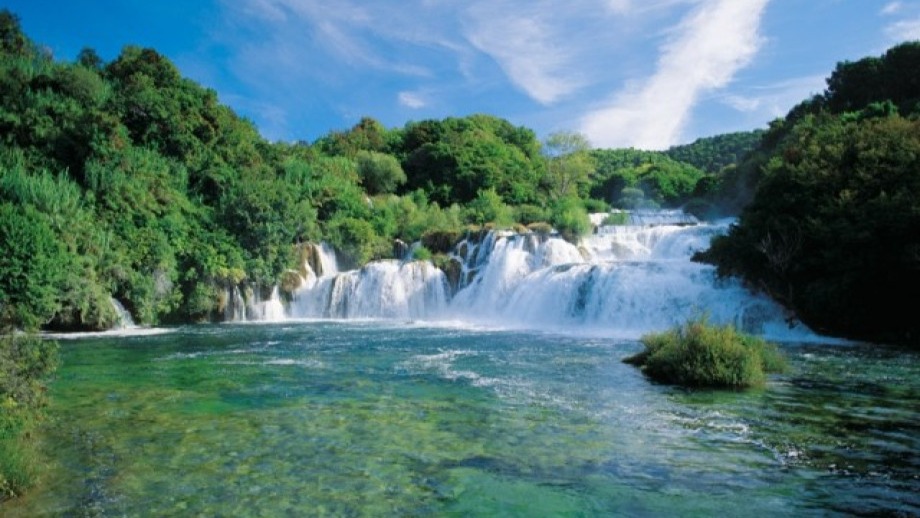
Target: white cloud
[
  {"x": 904, "y": 30},
  {"x": 264, "y": 9},
  {"x": 304, "y": 56},
  {"x": 713, "y": 42},
  {"x": 620, "y": 6},
  {"x": 742, "y": 103},
  {"x": 892, "y": 8},
  {"x": 774, "y": 100},
  {"x": 414, "y": 100},
  {"x": 525, "y": 47}
]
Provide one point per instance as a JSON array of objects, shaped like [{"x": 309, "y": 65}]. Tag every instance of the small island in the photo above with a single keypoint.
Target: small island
[{"x": 699, "y": 354}]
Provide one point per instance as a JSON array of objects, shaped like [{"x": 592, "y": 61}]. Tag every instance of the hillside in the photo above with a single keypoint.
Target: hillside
[{"x": 832, "y": 228}]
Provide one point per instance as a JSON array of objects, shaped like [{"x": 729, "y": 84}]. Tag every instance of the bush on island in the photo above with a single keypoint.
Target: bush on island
[{"x": 699, "y": 354}]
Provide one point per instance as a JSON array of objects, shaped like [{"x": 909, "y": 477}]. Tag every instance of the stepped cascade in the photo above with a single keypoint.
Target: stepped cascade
[{"x": 623, "y": 280}]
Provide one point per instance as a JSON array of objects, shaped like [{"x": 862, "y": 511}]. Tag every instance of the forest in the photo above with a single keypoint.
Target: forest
[
  {"x": 125, "y": 180},
  {"x": 830, "y": 225}
]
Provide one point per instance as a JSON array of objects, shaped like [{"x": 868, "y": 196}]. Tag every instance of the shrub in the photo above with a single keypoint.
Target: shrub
[
  {"x": 32, "y": 267},
  {"x": 25, "y": 360},
  {"x": 356, "y": 242},
  {"x": 421, "y": 254},
  {"x": 540, "y": 227},
  {"x": 594, "y": 205},
  {"x": 440, "y": 241},
  {"x": 570, "y": 218},
  {"x": 380, "y": 173},
  {"x": 698, "y": 354},
  {"x": 527, "y": 214},
  {"x": 488, "y": 207}
]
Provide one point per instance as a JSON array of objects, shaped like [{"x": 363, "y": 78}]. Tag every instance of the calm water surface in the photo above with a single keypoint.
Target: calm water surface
[{"x": 371, "y": 419}]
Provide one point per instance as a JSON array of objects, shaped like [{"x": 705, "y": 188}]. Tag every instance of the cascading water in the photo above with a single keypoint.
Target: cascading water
[
  {"x": 235, "y": 305},
  {"x": 623, "y": 280},
  {"x": 269, "y": 310},
  {"x": 381, "y": 289},
  {"x": 124, "y": 316}
]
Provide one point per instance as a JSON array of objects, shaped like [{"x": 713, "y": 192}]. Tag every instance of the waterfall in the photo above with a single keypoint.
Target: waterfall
[
  {"x": 124, "y": 320},
  {"x": 381, "y": 289},
  {"x": 623, "y": 280},
  {"x": 270, "y": 310},
  {"x": 234, "y": 305},
  {"x": 326, "y": 260}
]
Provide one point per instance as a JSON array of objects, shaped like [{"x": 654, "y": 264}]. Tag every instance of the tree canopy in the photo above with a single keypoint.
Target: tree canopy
[{"x": 833, "y": 228}]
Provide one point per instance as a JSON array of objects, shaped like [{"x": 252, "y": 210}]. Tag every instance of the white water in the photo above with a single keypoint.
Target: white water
[
  {"x": 271, "y": 310},
  {"x": 124, "y": 316},
  {"x": 622, "y": 281},
  {"x": 381, "y": 289}
]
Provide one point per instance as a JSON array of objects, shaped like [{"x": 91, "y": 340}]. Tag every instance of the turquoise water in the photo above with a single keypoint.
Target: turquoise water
[{"x": 372, "y": 419}]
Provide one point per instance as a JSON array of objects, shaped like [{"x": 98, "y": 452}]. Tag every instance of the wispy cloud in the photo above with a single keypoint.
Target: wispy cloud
[
  {"x": 551, "y": 50},
  {"x": 525, "y": 47},
  {"x": 773, "y": 100},
  {"x": 906, "y": 23},
  {"x": 892, "y": 8},
  {"x": 414, "y": 100},
  {"x": 904, "y": 30},
  {"x": 620, "y": 6},
  {"x": 385, "y": 57},
  {"x": 712, "y": 43},
  {"x": 743, "y": 103}
]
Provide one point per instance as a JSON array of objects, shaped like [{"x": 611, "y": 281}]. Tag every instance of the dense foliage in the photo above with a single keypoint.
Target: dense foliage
[
  {"x": 713, "y": 154},
  {"x": 699, "y": 354},
  {"x": 25, "y": 361},
  {"x": 634, "y": 179},
  {"x": 833, "y": 230}
]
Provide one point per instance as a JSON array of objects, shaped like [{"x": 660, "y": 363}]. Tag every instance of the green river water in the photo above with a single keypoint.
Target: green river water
[{"x": 396, "y": 419}]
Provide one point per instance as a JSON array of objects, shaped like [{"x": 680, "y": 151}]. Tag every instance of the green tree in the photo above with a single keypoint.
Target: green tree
[
  {"x": 452, "y": 160},
  {"x": 380, "y": 173},
  {"x": 570, "y": 219},
  {"x": 488, "y": 207},
  {"x": 713, "y": 154},
  {"x": 12, "y": 39},
  {"x": 367, "y": 135},
  {"x": 569, "y": 164},
  {"x": 833, "y": 228},
  {"x": 32, "y": 268},
  {"x": 661, "y": 179}
]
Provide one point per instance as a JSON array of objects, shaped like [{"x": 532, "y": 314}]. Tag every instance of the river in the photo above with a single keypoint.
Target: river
[{"x": 403, "y": 418}]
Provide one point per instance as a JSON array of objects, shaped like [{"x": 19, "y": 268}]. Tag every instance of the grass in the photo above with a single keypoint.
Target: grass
[
  {"x": 18, "y": 452},
  {"x": 699, "y": 354}
]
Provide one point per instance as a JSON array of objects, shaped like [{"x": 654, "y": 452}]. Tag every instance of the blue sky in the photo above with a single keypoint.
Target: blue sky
[{"x": 626, "y": 73}]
